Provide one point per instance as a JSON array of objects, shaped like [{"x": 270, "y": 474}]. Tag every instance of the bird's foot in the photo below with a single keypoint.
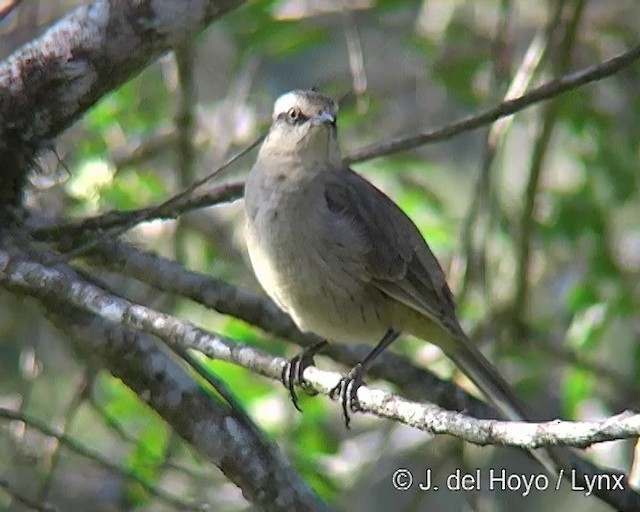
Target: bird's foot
[
  {"x": 295, "y": 367},
  {"x": 346, "y": 392}
]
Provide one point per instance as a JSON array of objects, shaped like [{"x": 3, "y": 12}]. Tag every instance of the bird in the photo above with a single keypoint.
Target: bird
[{"x": 342, "y": 259}]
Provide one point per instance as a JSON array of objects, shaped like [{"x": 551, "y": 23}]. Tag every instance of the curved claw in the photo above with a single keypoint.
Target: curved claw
[
  {"x": 293, "y": 370},
  {"x": 346, "y": 392},
  {"x": 290, "y": 373}
]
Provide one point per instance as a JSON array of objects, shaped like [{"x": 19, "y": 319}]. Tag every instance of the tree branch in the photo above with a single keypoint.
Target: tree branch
[
  {"x": 180, "y": 203},
  {"x": 48, "y": 83},
  {"x": 64, "y": 426},
  {"x": 169, "y": 276},
  {"x": 544, "y": 92},
  {"x": 24, "y": 500},
  {"x": 259, "y": 311},
  {"x": 31, "y": 276},
  {"x": 214, "y": 429},
  {"x": 526, "y": 222},
  {"x": 34, "y": 279},
  {"x": 71, "y": 231},
  {"x": 483, "y": 207},
  {"x": 78, "y": 448}
]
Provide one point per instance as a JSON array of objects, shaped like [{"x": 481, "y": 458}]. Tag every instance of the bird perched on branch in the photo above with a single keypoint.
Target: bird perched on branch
[{"x": 342, "y": 259}]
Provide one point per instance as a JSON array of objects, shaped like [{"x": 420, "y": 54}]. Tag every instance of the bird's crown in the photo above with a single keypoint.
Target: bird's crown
[{"x": 306, "y": 102}]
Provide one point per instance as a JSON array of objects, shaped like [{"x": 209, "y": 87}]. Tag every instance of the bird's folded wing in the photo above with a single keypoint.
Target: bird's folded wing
[{"x": 396, "y": 260}]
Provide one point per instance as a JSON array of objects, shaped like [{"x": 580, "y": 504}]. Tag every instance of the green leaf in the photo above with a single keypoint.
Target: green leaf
[
  {"x": 132, "y": 189},
  {"x": 145, "y": 460},
  {"x": 245, "y": 384},
  {"x": 118, "y": 401},
  {"x": 577, "y": 386},
  {"x": 581, "y": 295},
  {"x": 588, "y": 325}
]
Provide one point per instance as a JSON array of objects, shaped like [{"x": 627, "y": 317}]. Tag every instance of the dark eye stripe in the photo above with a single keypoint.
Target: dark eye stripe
[{"x": 299, "y": 120}]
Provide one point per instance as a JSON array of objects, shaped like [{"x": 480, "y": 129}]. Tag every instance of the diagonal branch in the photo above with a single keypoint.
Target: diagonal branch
[
  {"x": 34, "y": 279},
  {"x": 214, "y": 428},
  {"x": 526, "y": 222},
  {"x": 182, "y": 202},
  {"x": 89, "y": 453},
  {"x": 544, "y": 92},
  {"x": 73, "y": 230},
  {"x": 227, "y": 299},
  {"x": 48, "y": 83}
]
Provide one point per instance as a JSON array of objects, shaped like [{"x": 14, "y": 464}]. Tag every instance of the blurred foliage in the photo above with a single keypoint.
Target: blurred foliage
[{"x": 427, "y": 64}]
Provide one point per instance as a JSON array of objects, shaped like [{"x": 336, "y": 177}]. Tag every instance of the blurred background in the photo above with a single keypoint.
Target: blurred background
[{"x": 536, "y": 220}]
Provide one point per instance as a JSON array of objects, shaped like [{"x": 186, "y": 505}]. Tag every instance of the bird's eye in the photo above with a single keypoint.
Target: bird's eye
[{"x": 293, "y": 115}]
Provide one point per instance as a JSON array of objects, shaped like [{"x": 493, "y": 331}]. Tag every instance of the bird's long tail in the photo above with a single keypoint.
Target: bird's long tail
[{"x": 485, "y": 376}]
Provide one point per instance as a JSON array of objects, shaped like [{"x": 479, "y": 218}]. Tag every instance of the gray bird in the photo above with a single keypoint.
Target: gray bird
[{"x": 341, "y": 258}]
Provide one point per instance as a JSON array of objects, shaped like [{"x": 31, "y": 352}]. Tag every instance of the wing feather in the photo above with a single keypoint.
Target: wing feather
[{"x": 397, "y": 260}]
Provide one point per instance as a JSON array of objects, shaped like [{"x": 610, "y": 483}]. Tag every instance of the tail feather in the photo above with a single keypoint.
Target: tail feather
[
  {"x": 487, "y": 379},
  {"x": 483, "y": 374}
]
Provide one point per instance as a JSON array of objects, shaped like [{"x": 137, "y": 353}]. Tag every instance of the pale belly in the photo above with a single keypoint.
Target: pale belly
[{"x": 315, "y": 286}]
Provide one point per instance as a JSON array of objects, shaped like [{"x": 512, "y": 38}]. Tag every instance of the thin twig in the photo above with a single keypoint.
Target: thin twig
[
  {"x": 482, "y": 196},
  {"x": 150, "y": 213},
  {"x": 557, "y": 354},
  {"x": 356, "y": 58},
  {"x": 527, "y": 222},
  {"x": 126, "y": 437},
  {"x": 118, "y": 218},
  {"x": 535, "y": 54},
  {"x": 544, "y": 92},
  {"x": 184, "y": 122},
  {"x": 23, "y": 500},
  {"x": 76, "y": 401},
  {"x": 72, "y": 444},
  {"x": 137, "y": 151},
  {"x": 181, "y": 202},
  {"x": 597, "y": 368}
]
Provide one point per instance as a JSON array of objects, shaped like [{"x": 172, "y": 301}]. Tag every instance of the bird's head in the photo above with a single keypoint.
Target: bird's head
[{"x": 304, "y": 125}]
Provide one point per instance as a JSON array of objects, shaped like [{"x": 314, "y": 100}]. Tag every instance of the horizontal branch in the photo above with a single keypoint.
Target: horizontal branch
[
  {"x": 527, "y": 435},
  {"x": 544, "y": 92}
]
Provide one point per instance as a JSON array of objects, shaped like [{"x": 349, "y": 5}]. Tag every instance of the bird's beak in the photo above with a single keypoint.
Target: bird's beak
[{"x": 323, "y": 118}]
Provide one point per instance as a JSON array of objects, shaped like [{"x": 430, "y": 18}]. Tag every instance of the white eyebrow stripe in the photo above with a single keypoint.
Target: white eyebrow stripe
[{"x": 284, "y": 103}]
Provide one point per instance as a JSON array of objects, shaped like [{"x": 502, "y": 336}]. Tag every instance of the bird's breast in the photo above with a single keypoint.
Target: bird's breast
[{"x": 307, "y": 271}]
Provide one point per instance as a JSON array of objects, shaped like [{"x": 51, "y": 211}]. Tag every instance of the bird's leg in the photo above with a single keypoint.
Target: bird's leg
[
  {"x": 347, "y": 389},
  {"x": 293, "y": 370}
]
